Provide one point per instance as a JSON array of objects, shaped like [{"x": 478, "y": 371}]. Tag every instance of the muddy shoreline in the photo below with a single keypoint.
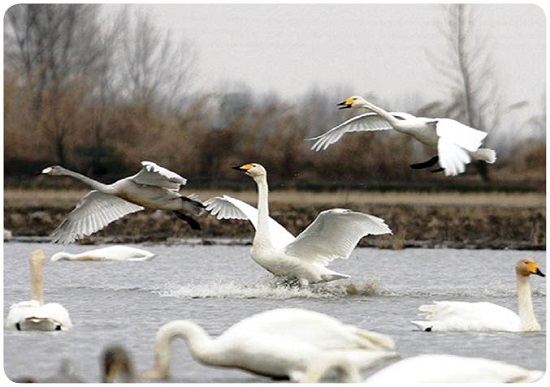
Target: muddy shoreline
[{"x": 478, "y": 223}]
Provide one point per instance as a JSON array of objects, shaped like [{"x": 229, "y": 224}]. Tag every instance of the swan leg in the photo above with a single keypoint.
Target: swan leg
[
  {"x": 192, "y": 222},
  {"x": 426, "y": 164}
]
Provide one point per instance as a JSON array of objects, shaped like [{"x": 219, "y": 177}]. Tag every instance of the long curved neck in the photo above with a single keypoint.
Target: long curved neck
[
  {"x": 526, "y": 313},
  {"x": 263, "y": 207},
  {"x": 200, "y": 344},
  {"x": 381, "y": 112},
  {"x": 86, "y": 180},
  {"x": 37, "y": 276}
]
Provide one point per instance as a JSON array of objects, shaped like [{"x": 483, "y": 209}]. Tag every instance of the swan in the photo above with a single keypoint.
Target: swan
[
  {"x": 277, "y": 343},
  {"x": 456, "y": 143},
  {"x": 153, "y": 187},
  {"x": 111, "y": 253},
  {"x": 333, "y": 234},
  {"x": 35, "y": 314},
  {"x": 428, "y": 368},
  {"x": 485, "y": 316},
  {"x": 117, "y": 366}
]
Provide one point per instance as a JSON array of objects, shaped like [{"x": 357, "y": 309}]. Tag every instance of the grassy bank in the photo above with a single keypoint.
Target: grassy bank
[{"x": 451, "y": 219}]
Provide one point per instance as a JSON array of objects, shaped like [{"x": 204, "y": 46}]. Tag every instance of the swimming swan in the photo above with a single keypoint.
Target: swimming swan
[
  {"x": 116, "y": 366},
  {"x": 456, "y": 143},
  {"x": 437, "y": 368},
  {"x": 485, "y": 316},
  {"x": 333, "y": 234},
  {"x": 153, "y": 187},
  {"x": 110, "y": 253},
  {"x": 34, "y": 314},
  {"x": 277, "y": 343}
]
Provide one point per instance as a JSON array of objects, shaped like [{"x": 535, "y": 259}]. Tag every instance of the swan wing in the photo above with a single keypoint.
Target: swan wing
[
  {"x": 153, "y": 174},
  {"x": 466, "y": 316},
  {"x": 452, "y": 157},
  {"x": 227, "y": 207},
  {"x": 94, "y": 211},
  {"x": 334, "y": 234},
  {"x": 460, "y": 134},
  {"x": 305, "y": 327},
  {"x": 441, "y": 368},
  {"x": 360, "y": 123}
]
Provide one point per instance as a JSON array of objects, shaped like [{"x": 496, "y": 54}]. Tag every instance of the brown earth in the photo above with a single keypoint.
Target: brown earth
[{"x": 493, "y": 220}]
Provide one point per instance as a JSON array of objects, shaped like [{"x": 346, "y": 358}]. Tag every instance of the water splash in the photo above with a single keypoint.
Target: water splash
[{"x": 269, "y": 288}]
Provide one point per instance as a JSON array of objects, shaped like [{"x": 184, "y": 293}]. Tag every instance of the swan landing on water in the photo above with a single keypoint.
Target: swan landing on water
[{"x": 333, "y": 234}]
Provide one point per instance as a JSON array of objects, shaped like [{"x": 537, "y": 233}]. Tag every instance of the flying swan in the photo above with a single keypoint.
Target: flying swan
[
  {"x": 456, "y": 143},
  {"x": 485, "y": 316},
  {"x": 436, "y": 368},
  {"x": 110, "y": 253},
  {"x": 278, "y": 343},
  {"x": 333, "y": 234},
  {"x": 35, "y": 314},
  {"x": 153, "y": 187}
]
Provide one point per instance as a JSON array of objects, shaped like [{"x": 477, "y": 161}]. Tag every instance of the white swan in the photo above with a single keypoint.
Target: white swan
[
  {"x": 333, "y": 234},
  {"x": 485, "y": 316},
  {"x": 34, "y": 314},
  {"x": 278, "y": 343},
  {"x": 456, "y": 143},
  {"x": 110, "y": 253},
  {"x": 153, "y": 187},
  {"x": 437, "y": 368}
]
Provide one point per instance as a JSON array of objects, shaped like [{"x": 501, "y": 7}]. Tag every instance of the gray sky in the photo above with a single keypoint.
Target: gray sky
[{"x": 290, "y": 48}]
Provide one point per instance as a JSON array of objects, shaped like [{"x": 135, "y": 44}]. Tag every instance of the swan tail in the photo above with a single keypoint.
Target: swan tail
[
  {"x": 485, "y": 154},
  {"x": 373, "y": 340},
  {"x": 425, "y": 326}
]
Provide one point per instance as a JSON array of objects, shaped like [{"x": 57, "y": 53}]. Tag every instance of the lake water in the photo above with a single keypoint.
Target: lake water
[{"x": 218, "y": 285}]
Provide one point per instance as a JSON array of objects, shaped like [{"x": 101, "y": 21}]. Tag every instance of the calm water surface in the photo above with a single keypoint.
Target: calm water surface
[{"x": 217, "y": 286}]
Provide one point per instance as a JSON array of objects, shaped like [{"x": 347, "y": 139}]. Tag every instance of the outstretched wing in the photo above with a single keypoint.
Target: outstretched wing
[
  {"x": 95, "y": 211},
  {"x": 334, "y": 234},
  {"x": 361, "y": 123},
  {"x": 153, "y": 174},
  {"x": 460, "y": 134},
  {"x": 226, "y": 207}
]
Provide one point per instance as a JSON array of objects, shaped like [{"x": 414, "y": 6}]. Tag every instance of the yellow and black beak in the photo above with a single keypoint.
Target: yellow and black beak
[
  {"x": 345, "y": 104},
  {"x": 538, "y": 272},
  {"x": 244, "y": 167}
]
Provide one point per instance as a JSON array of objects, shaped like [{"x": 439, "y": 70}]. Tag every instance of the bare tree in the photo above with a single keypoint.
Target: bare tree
[
  {"x": 468, "y": 67},
  {"x": 155, "y": 70}
]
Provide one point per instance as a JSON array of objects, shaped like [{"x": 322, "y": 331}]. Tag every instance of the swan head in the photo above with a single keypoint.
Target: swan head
[
  {"x": 252, "y": 169},
  {"x": 527, "y": 266},
  {"x": 54, "y": 170},
  {"x": 352, "y": 102},
  {"x": 117, "y": 365}
]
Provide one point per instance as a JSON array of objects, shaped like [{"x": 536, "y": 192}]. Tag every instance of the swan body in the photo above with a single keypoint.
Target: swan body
[
  {"x": 277, "y": 343},
  {"x": 35, "y": 314},
  {"x": 457, "y": 144},
  {"x": 333, "y": 234},
  {"x": 437, "y": 368},
  {"x": 110, "y": 253},
  {"x": 485, "y": 316},
  {"x": 153, "y": 187}
]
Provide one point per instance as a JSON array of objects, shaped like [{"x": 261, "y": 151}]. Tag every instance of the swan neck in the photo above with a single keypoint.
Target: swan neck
[
  {"x": 526, "y": 312},
  {"x": 37, "y": 277},
  {"x": 197, "y": 339},
  {"x": 263, "y": 205},
  {"x": 378, "y": 110},
  {"x": 86, "y": 180}
]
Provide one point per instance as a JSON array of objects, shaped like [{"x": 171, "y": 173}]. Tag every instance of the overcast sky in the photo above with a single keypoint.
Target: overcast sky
[{"x": 379, "y": 48}]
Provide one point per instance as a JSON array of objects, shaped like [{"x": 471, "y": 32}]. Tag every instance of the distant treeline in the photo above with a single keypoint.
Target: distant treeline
[{"x": 99, "y": 99}]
